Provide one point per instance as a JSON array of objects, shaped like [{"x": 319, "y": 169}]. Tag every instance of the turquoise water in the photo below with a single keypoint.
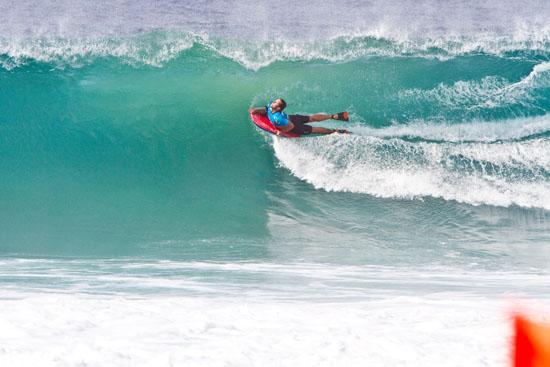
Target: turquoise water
[
  {"x": 144, "y": 220},
  {"x": 114, "y": 159}
]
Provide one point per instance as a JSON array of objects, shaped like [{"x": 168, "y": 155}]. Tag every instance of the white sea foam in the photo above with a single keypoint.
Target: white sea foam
[
  {"x": 72, "y": 330},
  {"x": 389, "y": 316},
  {"x": 483, "y": 171},
  {"x": 150, "y": 50},
  {"x": 476, "y": 131},
  {"x": 309, "y": 281},
  {"x": 157, "y": 48}
]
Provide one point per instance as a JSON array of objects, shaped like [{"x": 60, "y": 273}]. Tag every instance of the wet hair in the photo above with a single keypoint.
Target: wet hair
[{"x": 283, "y": 102}]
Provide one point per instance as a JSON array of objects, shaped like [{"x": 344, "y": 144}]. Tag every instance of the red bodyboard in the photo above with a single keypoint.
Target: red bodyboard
[{"x": 263, "y": 123}]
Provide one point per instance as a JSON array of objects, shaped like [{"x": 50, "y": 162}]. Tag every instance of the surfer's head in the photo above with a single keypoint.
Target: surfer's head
[{"x": 278, "y": 105}]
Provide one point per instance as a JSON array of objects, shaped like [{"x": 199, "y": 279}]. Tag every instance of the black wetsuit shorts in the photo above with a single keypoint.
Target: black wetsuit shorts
[{"x": 299, "y": 122}]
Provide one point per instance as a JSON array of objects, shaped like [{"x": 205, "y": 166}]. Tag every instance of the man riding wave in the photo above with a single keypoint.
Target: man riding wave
[{"x": 297, "y": 124}]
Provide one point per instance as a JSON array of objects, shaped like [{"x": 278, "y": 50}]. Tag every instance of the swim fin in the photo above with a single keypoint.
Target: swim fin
[{"x": 343, "y": 116}]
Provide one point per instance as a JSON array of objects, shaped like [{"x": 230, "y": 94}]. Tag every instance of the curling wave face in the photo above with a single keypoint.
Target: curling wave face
[{"x": 111, "y": 128}]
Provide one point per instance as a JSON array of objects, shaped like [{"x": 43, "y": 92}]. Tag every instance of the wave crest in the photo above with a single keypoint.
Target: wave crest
[
  {"x": 158, "y": 47},
  {"x": 151, "y": 49}
]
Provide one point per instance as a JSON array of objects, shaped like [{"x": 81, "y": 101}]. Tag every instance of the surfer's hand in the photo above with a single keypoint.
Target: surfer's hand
[{"x": 278, "y": 132}]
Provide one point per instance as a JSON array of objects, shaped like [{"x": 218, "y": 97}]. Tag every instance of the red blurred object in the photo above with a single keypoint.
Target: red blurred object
[{"x": 531, "y": 343}]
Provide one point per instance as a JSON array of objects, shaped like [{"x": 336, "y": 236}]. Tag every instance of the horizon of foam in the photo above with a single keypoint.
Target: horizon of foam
[{"x": 310, "y": 280}]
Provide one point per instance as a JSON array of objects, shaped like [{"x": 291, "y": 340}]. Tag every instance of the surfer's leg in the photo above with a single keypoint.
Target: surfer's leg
[
  {"x": 324, "y": 130},
  {"x": 320, "y": 117},
  {"x": 342, "y": 116},
  {"x": 301, "y": 128},
  {"x": 306, "y": 119}
]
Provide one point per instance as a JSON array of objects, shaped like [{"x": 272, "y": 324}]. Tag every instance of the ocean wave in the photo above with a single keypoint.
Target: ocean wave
[
  {"x": 538, "y": 77},
  {"x": 468, "y": 98},
  {"x": 158, "y": 47},
  {"x": 500, "y": 173},
  {"x": 152, "y": 49},
  {"x": 488, "y": 93}
]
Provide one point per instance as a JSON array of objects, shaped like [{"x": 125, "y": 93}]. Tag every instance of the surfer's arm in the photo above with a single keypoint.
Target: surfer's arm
[
  {"x": 285, "y": 128},
  {"x": 257, "y": 111}
]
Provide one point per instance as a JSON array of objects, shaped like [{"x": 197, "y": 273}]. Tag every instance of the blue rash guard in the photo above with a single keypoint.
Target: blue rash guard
[{"x": 278, "y": 118}]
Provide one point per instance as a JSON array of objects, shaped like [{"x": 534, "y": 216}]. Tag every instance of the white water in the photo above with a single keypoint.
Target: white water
[
  {"x": 117, "y": 313},
  {"x": 475, "y": 131},
  {"x": 481, "y": 171},
  {"x": 76, "y": 330}
]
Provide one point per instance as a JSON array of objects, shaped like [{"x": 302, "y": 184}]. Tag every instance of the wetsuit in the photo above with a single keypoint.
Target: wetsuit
[{"x": 281, "y": 119}]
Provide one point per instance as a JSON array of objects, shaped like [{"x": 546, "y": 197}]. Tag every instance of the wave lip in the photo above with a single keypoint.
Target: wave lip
[
  {"x": 152, "y": 49},
  {"x": 155, "y": 48},
  {"x": 483, "y": 171}
]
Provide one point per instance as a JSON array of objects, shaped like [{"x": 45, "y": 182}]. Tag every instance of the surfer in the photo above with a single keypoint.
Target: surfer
[{"x": 297, "y": 124}]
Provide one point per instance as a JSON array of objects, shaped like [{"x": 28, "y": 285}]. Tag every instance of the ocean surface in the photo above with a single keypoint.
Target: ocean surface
[{"x": 144, "y": 221}]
